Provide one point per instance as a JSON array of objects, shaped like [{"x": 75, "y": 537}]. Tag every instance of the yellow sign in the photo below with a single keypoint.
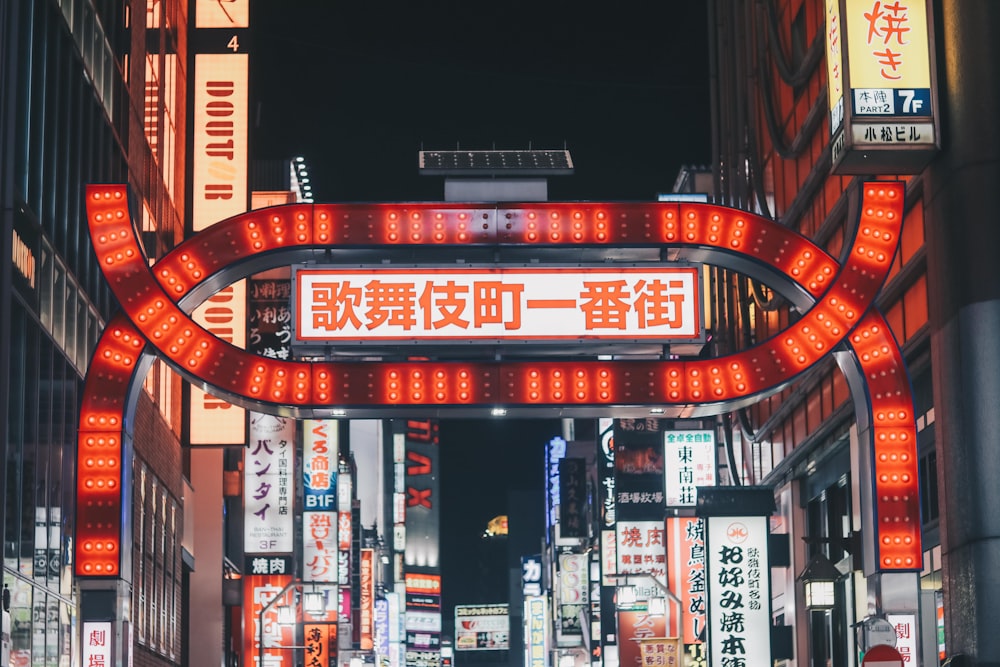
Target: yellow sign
[{"x": 888, "y": 43}]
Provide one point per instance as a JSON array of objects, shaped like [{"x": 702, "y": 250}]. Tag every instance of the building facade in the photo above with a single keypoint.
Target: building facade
[
  {"x": 776, "y": 151},
  {"x": 91, "y": 92}
]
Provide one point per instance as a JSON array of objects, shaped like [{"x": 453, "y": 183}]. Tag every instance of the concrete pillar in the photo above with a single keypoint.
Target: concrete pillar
[{"x": 963, "y": 246}]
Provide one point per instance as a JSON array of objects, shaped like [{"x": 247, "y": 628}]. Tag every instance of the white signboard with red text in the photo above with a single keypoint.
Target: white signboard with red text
[
  {"x": 97, "y": 642},
  {"x": 538, "y": 304}
]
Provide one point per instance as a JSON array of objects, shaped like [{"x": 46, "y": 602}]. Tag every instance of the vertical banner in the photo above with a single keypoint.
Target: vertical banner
[
  {"x": 268, "y": 485},
  {"x": 382, "y": 627},
  {"x": 219, "y": 163},
  {"x": 218, "y": 173},
  {"x": 320, "y": 521},
  {"x": 639, "y": 471},
  {"x": 690, "y": 463},
  {"x": 686, "y": 573},
  {"x": 214, "y": 421},
  {"x": 98, "y": 640},
  {"x": 422, "y": 492},
  {"x": 536, "y": 636},
  {"x": 739, "y": 621},
  {"x": 321, "y": 644},
  {"x": 573, "y": 514},
  {"x": 367, "y": 572},
  {"x": 554, "y": 452},
  {"x": 264, "y": 579},
  {"x": 574, "y": 592},
  {"x": 642, "y": 548},
  {"x": 269, "y": 459}
]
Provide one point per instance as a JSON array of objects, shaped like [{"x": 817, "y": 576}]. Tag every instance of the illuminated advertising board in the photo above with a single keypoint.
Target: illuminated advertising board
[
  {"x": 642, "y": 547},
  {"x": 487, "y": 305},
  {"x": 258, "y": 591},
  {"x": 367, "y": 575},
  {"x": 536, "y": 619},
  {"x": 214, "y": 421},
  {"x": 881, "y": 86},
  {"x": 482, "y": 627},
  {"x": 633, "y": 628},
  {"x": 690, "y": 463},
  {"x": 268, "y": 485},
  {"x": 98, "y": 640},
  {"x": 639, "y": 469},
  {"x": 219, "y": 160},
  {"x": 686, "y": 573},
  {"x": 739, "y": 588},
  {"x": 320, "y": 520},
  {"x": 423, "y": 488}
]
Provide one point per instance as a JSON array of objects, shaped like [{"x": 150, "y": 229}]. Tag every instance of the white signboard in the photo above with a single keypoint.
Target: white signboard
[
  {"x": 905, "y": 626},
  {"x": 482, "y": 627},
  {"x": 489, "y": 304},
  {"x": 269, "y": 485},
  {"x": 689, "y": 462},
  {"x": 739, "y": 598},
  {"x": 97, "y": 642},
  {"x": 642, "y": 548}
]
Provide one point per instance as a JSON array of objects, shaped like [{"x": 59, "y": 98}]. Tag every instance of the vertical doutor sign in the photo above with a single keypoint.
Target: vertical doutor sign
[
  {"x": 219, "y": 165},
  {"x": 835, "y": 300}
]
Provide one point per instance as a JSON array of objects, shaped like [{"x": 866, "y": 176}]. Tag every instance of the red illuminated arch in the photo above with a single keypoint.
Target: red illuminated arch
[{"x": 836, "y": 300}]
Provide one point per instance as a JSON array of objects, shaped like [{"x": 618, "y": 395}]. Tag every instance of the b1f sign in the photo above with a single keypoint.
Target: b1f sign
[{"x": 488, "y": 305}]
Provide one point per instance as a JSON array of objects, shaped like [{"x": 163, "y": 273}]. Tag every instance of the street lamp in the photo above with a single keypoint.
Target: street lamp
[{"x": 818, "y": 579}]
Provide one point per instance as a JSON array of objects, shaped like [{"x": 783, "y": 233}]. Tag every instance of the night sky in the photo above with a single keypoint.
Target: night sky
[{"x": 358, "y": 88}]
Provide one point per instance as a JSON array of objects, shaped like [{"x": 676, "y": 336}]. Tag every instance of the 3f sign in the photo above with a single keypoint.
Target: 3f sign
[{"x": 910, "y": 104}]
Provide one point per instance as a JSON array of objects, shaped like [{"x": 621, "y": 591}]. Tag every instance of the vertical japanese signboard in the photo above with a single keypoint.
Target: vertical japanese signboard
[
  {"x": 268, "y": 485},
  {"x": 367, "y": 599},
  {"x": 574, "y": 592},
  {"x": 686, "y": 573},
  {"x": 881, "y": 86},
  {"x": 573, "y": 521},
  {"x": 265, "y": 578},
  {"x": 98, "y": 640},
  {"x": 639, "y": 470},
  {"x": 739, "y": 619},
  {"x": 690, "y": 463},
  {"x": 320, "y": 523},
  {"x": 633, "y": 628}
]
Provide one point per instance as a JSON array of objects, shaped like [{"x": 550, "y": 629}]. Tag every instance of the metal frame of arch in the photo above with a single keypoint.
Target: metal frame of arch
[{"x": 835, "y": 300}]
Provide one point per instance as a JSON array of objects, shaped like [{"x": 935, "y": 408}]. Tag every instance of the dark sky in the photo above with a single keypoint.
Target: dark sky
[{"x": 358, "y": 88}]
